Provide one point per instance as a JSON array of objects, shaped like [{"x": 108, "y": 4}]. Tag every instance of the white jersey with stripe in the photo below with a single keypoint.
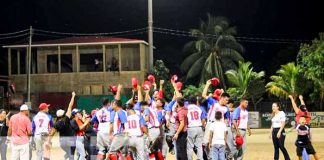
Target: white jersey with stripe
[
  {"x": 42, "y": 123},
  {"x": 216, "y": 107},
  {"x": 117, "y": 124},
  {"x": 133, "y": 126},
  {"x": 103, "y": 117},
  {"x": 194, "y": 116},
  {"x": 154, "y": 121}
]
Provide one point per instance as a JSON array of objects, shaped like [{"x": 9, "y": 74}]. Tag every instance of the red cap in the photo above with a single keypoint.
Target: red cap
[
  {"x": 113, "y": 89},
  {"x": 217, "y": 92},
  {"x": 178, "y": 86},
  {"x": 134, "y": 83},
  {"x": 160, "y": 94},
  {"x": 239, "y": 140},
  {"x": 151, "y": 78},
  {"x": 146, "y": 85},
  {"x": 174, "y": 78},
  {"x": 43, "y": 106},
  {"x": 214, "y": 81}
]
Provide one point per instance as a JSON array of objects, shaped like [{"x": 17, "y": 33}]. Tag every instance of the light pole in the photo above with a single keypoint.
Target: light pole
[
  {"x": 29, "y": 63},
  {"x": 150, "y": 30}
]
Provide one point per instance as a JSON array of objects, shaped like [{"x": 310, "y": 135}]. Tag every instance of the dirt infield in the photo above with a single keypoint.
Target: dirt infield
[{"x": 259, "y": 146}]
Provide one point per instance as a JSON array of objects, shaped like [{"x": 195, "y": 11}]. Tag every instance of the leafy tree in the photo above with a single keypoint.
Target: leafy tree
[
  {"x": 214, "y": 51},
  {"x": 311, "y": 61},
  {"x": 246, "y": 83},
  {"x": 193, "y": 90},
  {"x": 160, "y": 71},
  {"x": 288, "y": 81}
]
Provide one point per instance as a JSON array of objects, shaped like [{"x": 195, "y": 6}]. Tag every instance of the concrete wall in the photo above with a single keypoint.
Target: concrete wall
[{"x": 84, "y": 83}]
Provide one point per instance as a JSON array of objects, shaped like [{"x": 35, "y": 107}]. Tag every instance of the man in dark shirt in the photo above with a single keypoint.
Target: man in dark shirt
[
  {"x": 4, "y": 121},
  {"x": 63, "y": 126}
]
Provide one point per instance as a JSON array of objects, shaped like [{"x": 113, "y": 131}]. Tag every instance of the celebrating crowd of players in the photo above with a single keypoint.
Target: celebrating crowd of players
[{"x": 146, "y": 127}]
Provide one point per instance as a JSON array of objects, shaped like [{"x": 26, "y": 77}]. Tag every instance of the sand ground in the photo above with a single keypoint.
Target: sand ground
[{"x": 259, "y": 146}]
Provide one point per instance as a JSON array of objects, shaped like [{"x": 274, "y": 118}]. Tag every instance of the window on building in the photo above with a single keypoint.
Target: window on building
[
  {"x": 23, "y": 62},
  {"x": 66, "y": 63},
  {"x": 91, "y": 59},
  {"x": 130, "y": 57},
  {"x": 14, "y": 64},
  {"x": 52, "y": 63}
]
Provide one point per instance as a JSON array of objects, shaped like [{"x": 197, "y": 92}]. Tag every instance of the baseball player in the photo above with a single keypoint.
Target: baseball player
[
  {"x": 41, "y": 127},
  {"x": 196, "y": 120},
  {"x": 135, "y": 129},
  {"x": 102, "y": 118},
  {"x": 118, "y": 121}
]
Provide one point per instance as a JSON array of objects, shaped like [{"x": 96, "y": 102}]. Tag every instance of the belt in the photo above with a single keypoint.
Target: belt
[
  {"x": 242, "y": 129},
  {"x": 136, "y": 136},
  {"x": 211, "y": 121},
  {"x": 194, "y": 127},
  {"x": 154, "y": 127}
]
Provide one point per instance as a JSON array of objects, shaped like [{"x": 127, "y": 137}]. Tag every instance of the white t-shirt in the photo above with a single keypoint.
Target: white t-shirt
[
  {"x": 277, "y": 119},
  {"x": 218, "y": 128}
]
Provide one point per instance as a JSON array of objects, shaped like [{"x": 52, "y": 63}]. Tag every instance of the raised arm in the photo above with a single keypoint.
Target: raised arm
[
  {"x": 119, "y": 88},
  {"x": 139, "y": 94},
  {"x": 147, "y": 96},
  {"x": 69, "y": 110},
  {"x": 296, "y": 109},
  {"x": 204, "y": 93}
]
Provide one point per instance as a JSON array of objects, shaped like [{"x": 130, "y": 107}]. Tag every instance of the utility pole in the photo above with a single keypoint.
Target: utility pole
[
  {"x": 29, "y": 63},
  {"x": 150, "y": 31}
]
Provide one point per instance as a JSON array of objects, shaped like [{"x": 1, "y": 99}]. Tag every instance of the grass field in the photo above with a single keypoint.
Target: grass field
[{"x": 259, "y": 146}]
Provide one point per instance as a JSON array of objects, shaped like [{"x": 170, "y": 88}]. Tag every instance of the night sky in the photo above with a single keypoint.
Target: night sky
[{"x": 284, "y": 19}]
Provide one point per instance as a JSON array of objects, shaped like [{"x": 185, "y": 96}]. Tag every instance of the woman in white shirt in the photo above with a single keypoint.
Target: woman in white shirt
[{"x": 277, "y": 132}]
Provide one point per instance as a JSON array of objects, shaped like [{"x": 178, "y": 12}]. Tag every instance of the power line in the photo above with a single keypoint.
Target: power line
[
  {"x": 90, "y": 34},
  {"x": 239, "y": 38},
  {"x": 10, "y": 37},
  {"x": 13, "y": 33}
]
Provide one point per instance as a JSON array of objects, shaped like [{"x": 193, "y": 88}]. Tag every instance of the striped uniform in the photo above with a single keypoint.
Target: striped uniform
[
  {"x": 119, "y": 120},
  {"x": 102, "y": 118},
  {"x": 195, "y": 132},
  {"x": 136, "y": 139},
  {"x": 41, "y": 127}
]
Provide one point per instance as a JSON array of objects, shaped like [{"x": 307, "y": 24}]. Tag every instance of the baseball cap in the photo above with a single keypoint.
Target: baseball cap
[
  {"x": 24, "y": 107},
  {"x": 60, "y": 113},
  {"x": 239, "y": 140},
  {"x": 74, "y": 111},
  {"x": 42, "y": 106}
]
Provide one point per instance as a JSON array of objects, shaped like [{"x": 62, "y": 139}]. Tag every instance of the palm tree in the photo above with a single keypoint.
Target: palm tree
[
  {"x": 246, "y": 83},
  {"x": 286, "y": 82},
  {"x": 214, "y": 51}
]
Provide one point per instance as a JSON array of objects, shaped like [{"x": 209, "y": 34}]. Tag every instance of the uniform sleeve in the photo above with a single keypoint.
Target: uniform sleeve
[
  {"x": 203, "y": 113},
  {"x": 58, "y": 125},
  {"x": 94, "y": 119},
  {"x": 147, "y": 112},
  {"x": 236, "y": 113},
  {"x": 211, "y": 101},
  {"x": 112, "y": 116},
  {"x": 122, "y": 117},
  {"x": 33, "y": 126},
  {"x": 51, "y": 122},
  {"x": 170, "y": 105},
  {"x": 138, "y": 106},
  {"x": 142, "y": 121},
  {"x": 227, "y": 114}
]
